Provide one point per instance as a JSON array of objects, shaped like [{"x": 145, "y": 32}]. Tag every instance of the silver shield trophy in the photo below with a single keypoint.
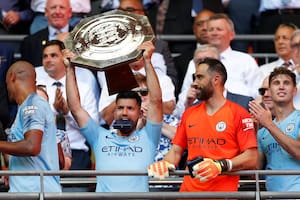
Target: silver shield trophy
[{"x": 108, "y": 42}]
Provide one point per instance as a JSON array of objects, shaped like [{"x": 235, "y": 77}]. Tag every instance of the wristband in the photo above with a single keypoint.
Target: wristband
[
  {"x": 229, "y": 165},
  {"x": 226, "y": 165}
]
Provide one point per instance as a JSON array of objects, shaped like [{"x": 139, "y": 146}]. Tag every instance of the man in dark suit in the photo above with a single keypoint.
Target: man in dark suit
[
  {"x": 4, "y": 114},
  {"x": 239, "y": 99},
  {"x": 200, "y": 32},
  {"x": 244, "y": 15},
  {"x": 178, "y": 19},
  {"x": 15, "y": 16},
  {"x": 58, "y": 14},
  {"x": 8, "y": 110}
]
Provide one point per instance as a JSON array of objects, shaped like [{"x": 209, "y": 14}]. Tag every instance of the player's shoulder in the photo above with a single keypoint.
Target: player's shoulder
[{"x": 236, "y": 108}]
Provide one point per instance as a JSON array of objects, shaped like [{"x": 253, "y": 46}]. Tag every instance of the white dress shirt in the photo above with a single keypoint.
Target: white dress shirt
[
  {"x": 243, "y": 75},
  {"x": 158, "y": 63},
  {"x": 88, "y": 101},
  {"x": 188, "y": 78},
  {"x": 278, "y": 4},
  {"x": 187, "y": 82},
  {"x": 267, "y": 68}
]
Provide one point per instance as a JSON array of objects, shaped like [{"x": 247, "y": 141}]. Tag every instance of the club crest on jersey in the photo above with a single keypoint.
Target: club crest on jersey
[
  {"x": 290, "y": 128},
  {"x": 133, "y": 138},
  {"x": 221, "y": 126},
  {"x": 247, "y": 124}
]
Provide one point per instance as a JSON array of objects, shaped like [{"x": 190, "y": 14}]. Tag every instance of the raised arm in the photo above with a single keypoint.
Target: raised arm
[
  {"x": 155, "y": 113},
  {"x": 73, "y": 98}
]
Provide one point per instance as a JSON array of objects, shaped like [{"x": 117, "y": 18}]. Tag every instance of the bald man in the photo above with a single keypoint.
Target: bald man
[
  {"x": 183, "y": 61},
  {"x": 32, "y": 134},
  {"x": 200, "y": 26},
  {"x": 58, "y": 14}
]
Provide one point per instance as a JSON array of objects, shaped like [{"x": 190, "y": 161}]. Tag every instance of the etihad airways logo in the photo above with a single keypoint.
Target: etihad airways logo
[
  {"x": 206, "y": 141},
  {"x": 121, "y": 150}
]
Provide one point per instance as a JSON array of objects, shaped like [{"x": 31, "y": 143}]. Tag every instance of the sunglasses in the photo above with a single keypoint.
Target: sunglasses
[
  {"x": 262, "y": 91},
  {"x": 142, "y": 92}
]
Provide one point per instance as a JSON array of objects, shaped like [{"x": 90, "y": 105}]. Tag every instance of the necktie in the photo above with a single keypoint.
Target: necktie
[
  {"x": 53, "y": 35},
  {"x": 197, "y": 6},
  {"x": 60, "y": 119},
  {"x": 287, "y": 64},
  {"x": 57, "y": 84},
  {"x": 109, "y": 5},
  {"x": 57, "y": 32}
]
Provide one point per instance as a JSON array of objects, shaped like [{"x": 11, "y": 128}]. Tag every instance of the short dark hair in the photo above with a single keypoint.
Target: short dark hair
[
  {"x": 130, "y": 95},
  {"x": 284, "y": 71},
  {"x": 215, "y": 65},
  {"x": 59, "y": 43}
]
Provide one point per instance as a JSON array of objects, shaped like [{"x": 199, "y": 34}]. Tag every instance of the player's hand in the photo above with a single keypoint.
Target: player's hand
[
  {"x": 160, "y": 169},
  {"x": 68, "y": 161},
  {"x": 60, "y": 103},
  {"x": 148, "y": 49},
  {"x": 11, "y": 18},
  {"x": 67, "y": 57},
  {"x": 191, "y": 95},
  {"x": 207, "y": 169},
  {"x": 261, "y": 113},
  {"x": 5, "y": 180}
]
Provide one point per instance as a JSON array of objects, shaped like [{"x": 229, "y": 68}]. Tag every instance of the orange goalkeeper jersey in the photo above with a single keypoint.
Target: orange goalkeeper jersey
[{"x": 223, "y": 135}]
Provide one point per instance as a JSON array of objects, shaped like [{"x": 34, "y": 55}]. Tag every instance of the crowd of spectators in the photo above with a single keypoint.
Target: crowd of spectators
[{"x": 180, "y": 86}]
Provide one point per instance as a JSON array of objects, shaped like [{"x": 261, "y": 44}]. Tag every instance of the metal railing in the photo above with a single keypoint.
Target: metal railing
[
  {"x": 244, "y": 37},
  {"x": 177, "y": 38},
  {"x": 182, "y": 38},
  {"x": 254, "y": 194}
]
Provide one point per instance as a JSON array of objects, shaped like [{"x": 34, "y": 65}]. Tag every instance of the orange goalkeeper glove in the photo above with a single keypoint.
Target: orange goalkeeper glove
[
  {"x": 160, "y": 169},
  {"x": 209, "y": 169}
]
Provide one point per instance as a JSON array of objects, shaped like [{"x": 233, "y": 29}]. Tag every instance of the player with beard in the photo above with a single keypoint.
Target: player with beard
[
  {"x": 127, "y": 148},
  {"x": 218, "y": 134}
]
